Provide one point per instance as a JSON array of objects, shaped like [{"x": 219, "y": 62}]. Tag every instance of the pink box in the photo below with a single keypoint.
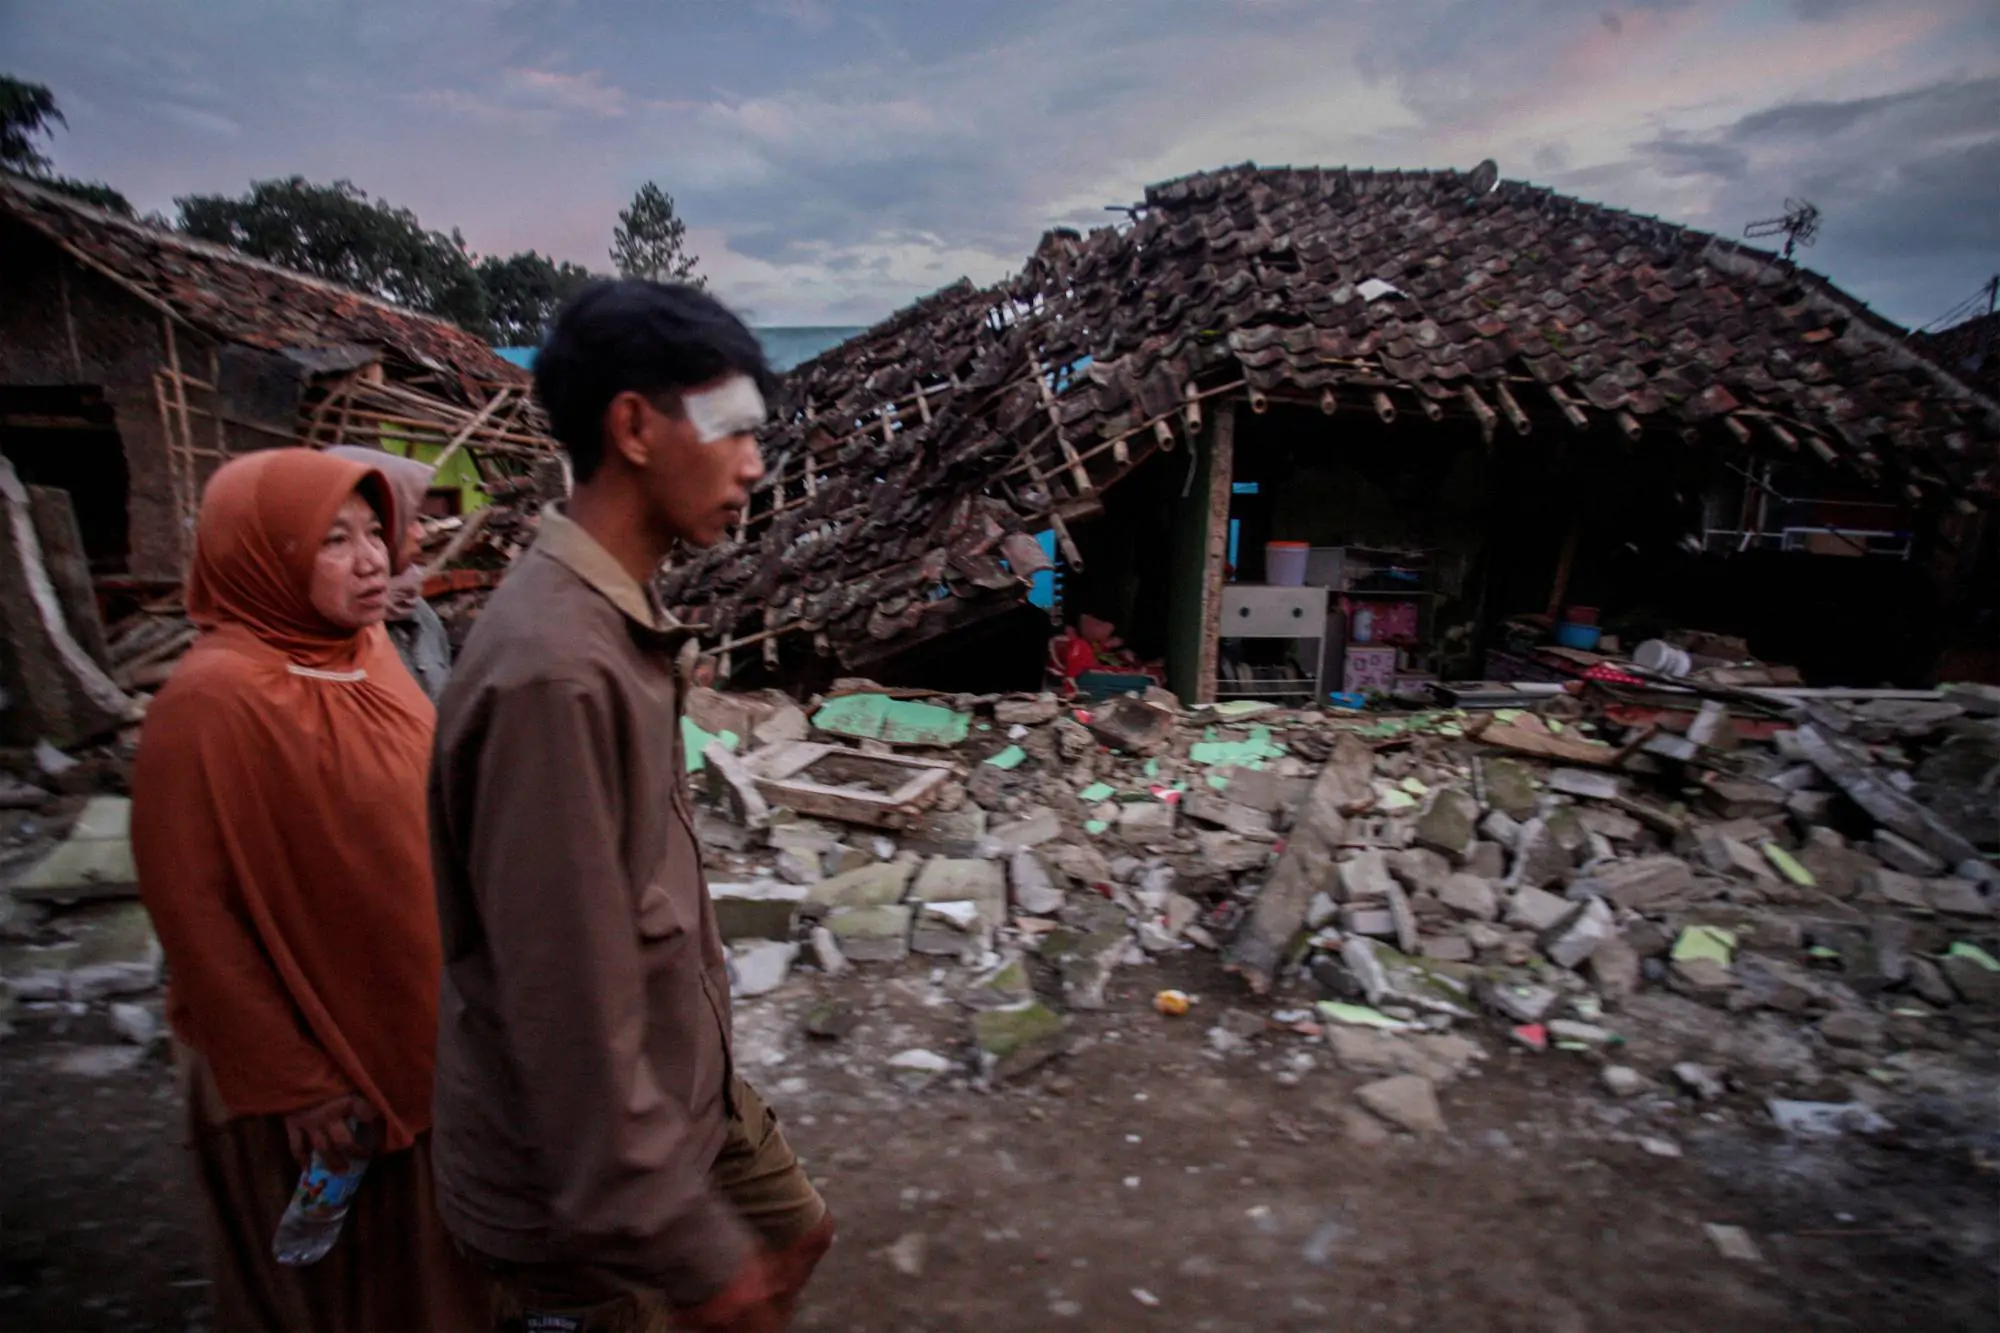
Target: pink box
[{"x": 1368, "y": 668}]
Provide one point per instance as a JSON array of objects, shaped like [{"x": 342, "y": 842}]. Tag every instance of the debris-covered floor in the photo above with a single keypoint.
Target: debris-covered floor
[
  {"x": 1257, "y": 1204},
  {"x": 1241, "y": 1017}
]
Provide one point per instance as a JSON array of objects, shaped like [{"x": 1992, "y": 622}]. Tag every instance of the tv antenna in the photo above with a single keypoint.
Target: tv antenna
[{"x": 1799, "y": 225}]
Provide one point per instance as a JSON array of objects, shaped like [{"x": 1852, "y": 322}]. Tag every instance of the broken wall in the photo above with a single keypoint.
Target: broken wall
[{"x": 63, "y": 325}]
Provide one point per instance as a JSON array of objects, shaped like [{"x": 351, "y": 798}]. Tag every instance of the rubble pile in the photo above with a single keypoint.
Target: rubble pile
[{"x": 1810, "y": 916}]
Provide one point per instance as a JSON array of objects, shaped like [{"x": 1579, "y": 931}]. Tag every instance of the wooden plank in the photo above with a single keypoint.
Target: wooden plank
[
  {"x": 1867, "y": 788},
  {"x": 1215, "y": 558},
  {"x": 1565, "y": 562},
  {"x": 786, "y": 758},
  {"x": 873, "y": 809},
  {"x": 1544, "y": 744}
]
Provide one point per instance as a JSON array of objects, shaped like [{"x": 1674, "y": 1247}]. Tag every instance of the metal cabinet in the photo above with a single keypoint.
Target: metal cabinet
[{"x": 1257, "y": 611}]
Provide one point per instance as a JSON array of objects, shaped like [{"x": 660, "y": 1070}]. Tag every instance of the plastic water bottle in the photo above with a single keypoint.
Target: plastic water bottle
[{"x": 319, "y": 1205}]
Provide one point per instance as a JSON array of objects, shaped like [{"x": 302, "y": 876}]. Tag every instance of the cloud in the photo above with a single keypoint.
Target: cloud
[
  {"x": 812, "y": 16},
  {"x": 207, "y": 122},
  {"x": 1908, "y": 184},
  {"x": 836, "y": 161},
  {"x": 1676, "y": 156},
  {"x": 586, "y": 92}
]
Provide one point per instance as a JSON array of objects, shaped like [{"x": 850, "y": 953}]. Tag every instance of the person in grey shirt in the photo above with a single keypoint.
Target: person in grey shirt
[
  {"x": 418, "y": 633},
  {"x": 413, "y": 626}
]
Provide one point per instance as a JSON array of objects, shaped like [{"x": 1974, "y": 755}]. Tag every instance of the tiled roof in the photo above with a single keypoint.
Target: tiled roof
[
  {"x": 248, "y": 301},
  {"x": 902, "y": 458}
]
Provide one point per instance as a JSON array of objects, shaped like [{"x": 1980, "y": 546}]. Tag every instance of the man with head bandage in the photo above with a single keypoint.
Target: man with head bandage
[{"x": 597, "y": 1152}]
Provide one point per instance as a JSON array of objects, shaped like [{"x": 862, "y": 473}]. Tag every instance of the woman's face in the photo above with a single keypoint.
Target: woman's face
[{"x": 350, "y": 582}]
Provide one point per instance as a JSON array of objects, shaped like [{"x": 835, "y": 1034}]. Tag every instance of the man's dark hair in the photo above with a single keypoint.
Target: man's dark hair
[{"x": 633, "y": 335}]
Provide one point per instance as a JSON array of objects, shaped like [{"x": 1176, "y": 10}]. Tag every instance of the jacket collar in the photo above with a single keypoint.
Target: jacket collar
[{"x": 563, "y": 541}]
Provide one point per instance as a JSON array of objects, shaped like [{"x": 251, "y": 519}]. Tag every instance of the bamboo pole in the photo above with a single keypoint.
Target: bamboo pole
[
  {"x": 1577, "y": 417},
  {"x": 1078, "y": 474},
  {"x": 1489, "y": 421},
  {"x": 1515, "y": 416},
  {"x": 458, "y": 440},
  {"x": 461, "y": 541},
  {"x": 180, "y": 402}
]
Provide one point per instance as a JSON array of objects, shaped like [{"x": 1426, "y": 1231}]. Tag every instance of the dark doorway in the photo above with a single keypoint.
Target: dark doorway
[{"x": 67, "y": 438}]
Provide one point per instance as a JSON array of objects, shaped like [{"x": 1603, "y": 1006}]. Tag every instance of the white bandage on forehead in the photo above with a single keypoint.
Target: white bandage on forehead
[{"x": 733, "y": 407}]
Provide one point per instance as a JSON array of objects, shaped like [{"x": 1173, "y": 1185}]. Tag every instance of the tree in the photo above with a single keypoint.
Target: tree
[
  {"x": 28, "y": 113},
  {"x": 338, "y": 233},
  {"x": 523, "y": 293},
  {"x": 650, "y": 240}
]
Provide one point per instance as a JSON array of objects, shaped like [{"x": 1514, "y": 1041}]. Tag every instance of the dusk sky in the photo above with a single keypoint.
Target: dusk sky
[{"x": 835, "y": 160}]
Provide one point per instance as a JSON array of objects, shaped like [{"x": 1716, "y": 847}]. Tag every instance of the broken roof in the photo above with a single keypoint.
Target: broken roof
[
  {"x": 902, "y": 460},
  {"x": 243, "y": 300}
]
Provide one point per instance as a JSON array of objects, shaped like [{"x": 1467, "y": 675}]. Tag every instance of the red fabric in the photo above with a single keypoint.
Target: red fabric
[
  {"x": 278, "y": 817},
  {"x": 1604, "y": 671}
]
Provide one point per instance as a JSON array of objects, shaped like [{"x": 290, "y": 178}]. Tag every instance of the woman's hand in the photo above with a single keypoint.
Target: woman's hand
[{"x": 324, "y": 1129}]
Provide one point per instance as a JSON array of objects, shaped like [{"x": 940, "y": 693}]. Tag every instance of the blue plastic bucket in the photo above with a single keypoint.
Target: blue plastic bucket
[{"x": 1578, "y": 636}]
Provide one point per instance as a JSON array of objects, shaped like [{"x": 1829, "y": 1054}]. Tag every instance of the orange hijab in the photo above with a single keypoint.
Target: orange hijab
[{"x": 278, "y": 816}]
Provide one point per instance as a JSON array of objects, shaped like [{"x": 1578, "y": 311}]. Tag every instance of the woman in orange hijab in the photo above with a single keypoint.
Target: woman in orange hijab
[{"x": 279, "y": 828}]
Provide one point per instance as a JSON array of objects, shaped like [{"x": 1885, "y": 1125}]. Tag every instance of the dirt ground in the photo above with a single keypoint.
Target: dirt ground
[{"x": 1143, "y": 1181}]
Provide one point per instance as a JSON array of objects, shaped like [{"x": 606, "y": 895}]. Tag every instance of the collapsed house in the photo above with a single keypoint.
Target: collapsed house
[
  {"x": 134, "y": 361},
  {"x": 1464, "y": 398}
]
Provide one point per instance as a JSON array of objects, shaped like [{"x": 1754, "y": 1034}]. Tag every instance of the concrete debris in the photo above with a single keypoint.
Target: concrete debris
[
  {"x": 1305, "y": 865},
  {"x": 1540, "y": 858},
  {"x": 1576, "y": 938},
  {"x": 1592, "y": 783},
  {"x": 1535, "y": 909},
  {"x": 1447, "y": 823},
  {"x": 1365, "y": 878},
  {"x": 1825, "y": 1119},
  {"x": 1016, "y": 1039},
  {"x": 872, "y": 934},
  {"x": 1972, "y": 975},
  {"x": 955, "y": 928},
  {"x": 1900, "y": 853},
  {"x": 760, "y": 910},
  {"x": 760, "y": 966},
  {"x": 1521, "y": 1002},
  {"x": 1622, "y": 1080},
  {"x": 1146, "y": 823},
  {"x": 1646, "y": 884},
  {"x": 871, "y": 886},
  {"x": 1380, "y": 1053},
  {"x": 1407, "y": 1101},
  {"x": 1035, "y": 712},
  {"x": 1700, "y": 1081},
  {"x": 1558, "y": 882},
  {"x": 1500, "y": 828},
  {"x": 826, "y": 952},
  {"x": 1733, "y": 1243},
  {"x": 93, "y": 862},
  {"x": 1034, "y": 888},
  {"x": 1205, "y": 808},
  {"x": 1505, "y": 787},
  {"x": 906, "y": 1255},
  {"x": 1040, "y": 826},
  {"x": 917, "y": 1069},
  {"x": 1470, "y": 896},
  {"x": 136, "y": 1024}
]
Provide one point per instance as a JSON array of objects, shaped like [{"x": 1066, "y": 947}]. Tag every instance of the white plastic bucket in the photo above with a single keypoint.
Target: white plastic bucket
[
  {"x": 1661, "y": 656},
  {"x": 1285, "y": 564}
]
